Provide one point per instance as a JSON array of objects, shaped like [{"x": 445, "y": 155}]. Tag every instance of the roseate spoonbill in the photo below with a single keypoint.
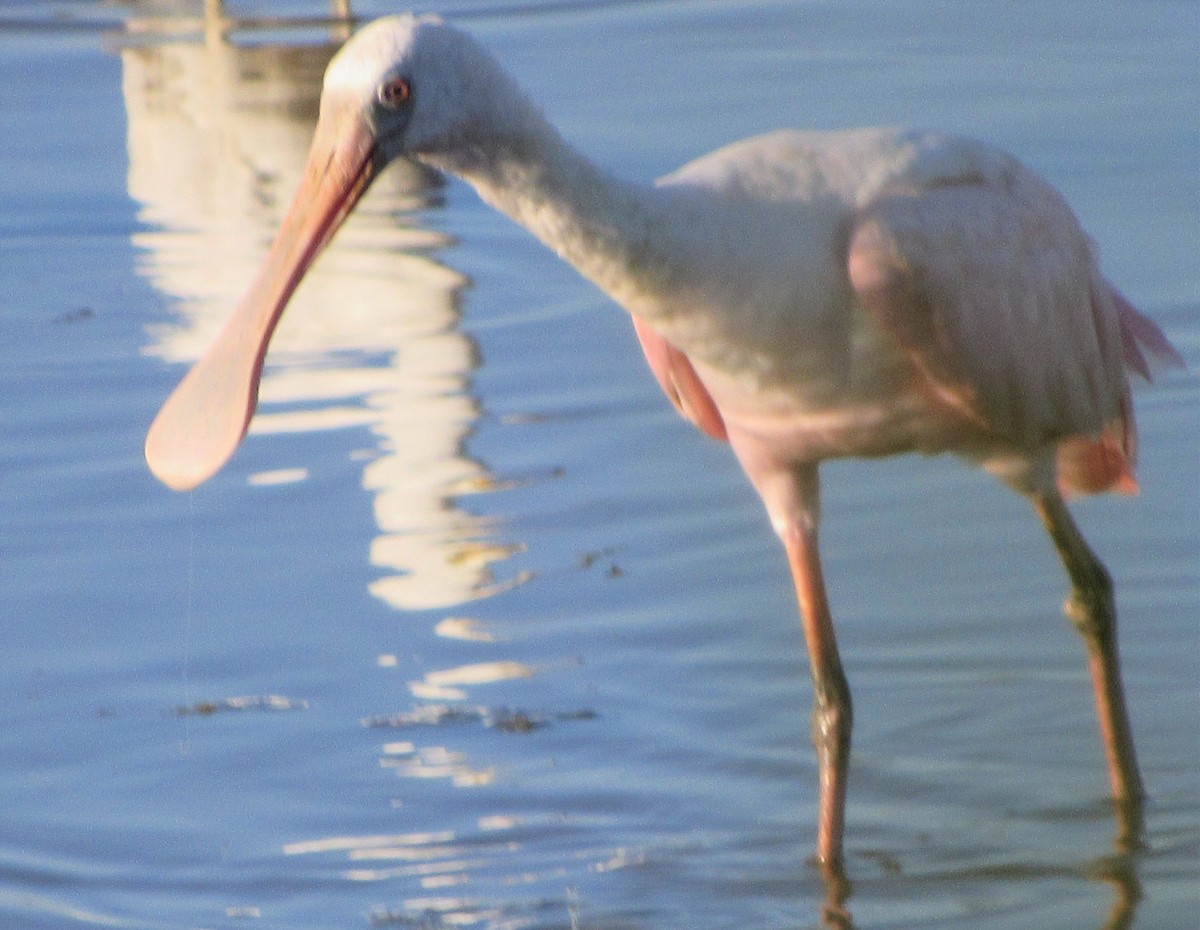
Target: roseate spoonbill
[{"x": 799, "y": 295}]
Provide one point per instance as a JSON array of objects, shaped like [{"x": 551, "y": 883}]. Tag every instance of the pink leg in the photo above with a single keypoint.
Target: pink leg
[
  {"x": 1091, "y": 609},
  {"x": 832, "y": 714}
]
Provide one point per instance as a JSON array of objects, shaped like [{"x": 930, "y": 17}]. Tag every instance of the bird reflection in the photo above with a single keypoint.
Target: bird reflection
[
  {"x": 217, "y": 134},
  {"x": 1121, "y": 873},
  {"x": 1118, "y": 871}
]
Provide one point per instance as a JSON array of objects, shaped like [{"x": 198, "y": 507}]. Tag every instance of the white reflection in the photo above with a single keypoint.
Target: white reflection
[
  {"x": 479, "y": 673},
  {"x": 217, "y": 135},
  {"x": 447, "y": 684},
  {"x": 477, "y": 857},
  {"x": 437, "y": 762},
  {"x": 374, "y": 841},
  {"x": 465, "y": 628}
]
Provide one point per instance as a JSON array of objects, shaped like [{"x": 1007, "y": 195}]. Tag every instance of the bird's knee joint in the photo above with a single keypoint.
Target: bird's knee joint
[
  {"x": 832, "y": 720},
  {"x": 1090, "y": 605}
]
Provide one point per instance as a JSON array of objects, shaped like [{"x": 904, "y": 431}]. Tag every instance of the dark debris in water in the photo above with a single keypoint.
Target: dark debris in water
[
  {"x": 80, "y": 315},
  {"x": 589, "y": 560},
  {"x": 505, "y": 719},
  {"x": 886, "y": 861},
  {"x": 266, "y": 702}
]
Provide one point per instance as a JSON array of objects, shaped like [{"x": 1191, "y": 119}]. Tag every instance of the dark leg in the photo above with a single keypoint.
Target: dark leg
[
  {"x": 832, "y": 715},
  {"x": 1091, "y": 609}
]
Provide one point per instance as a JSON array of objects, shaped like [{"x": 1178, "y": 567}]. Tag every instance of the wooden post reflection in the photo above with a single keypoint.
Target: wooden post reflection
[
  {"x": 215, "y": 9},
  {"x": 215, "y": 19}
]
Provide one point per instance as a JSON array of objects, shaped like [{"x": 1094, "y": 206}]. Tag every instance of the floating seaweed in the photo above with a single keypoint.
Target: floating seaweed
[
  {"x": 505, "y": 719},
  {"x": 265, "y": 702}
]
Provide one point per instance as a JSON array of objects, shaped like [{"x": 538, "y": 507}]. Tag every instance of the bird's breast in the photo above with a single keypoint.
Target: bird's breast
[{"x": 857, "y": 403}]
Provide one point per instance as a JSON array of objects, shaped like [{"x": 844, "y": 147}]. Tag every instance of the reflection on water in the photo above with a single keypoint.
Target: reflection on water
[
  {"x": 445, "y": 860},
  {"x": 217, "y": 137}
]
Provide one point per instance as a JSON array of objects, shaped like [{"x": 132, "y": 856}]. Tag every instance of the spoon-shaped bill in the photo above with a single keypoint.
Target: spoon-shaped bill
[{"x": 204, "y": 419}]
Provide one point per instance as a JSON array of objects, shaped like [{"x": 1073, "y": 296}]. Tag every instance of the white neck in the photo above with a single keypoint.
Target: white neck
[{"x": 611, "y": 231}]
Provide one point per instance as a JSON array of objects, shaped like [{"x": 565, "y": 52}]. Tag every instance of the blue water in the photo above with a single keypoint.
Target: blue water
[{"x": 474, "y": 631}]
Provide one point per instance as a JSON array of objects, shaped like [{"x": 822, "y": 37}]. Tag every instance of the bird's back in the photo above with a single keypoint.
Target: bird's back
[
  {"x": 945, "y": 298},
  {"x": 849, "y": 166}
]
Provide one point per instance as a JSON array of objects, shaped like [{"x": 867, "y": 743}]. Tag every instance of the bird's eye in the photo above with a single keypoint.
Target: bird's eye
[{"x": 395, "y": 92}]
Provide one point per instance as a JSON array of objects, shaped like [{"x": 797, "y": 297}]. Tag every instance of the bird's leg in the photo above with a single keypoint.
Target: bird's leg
[
  {"x": 832, "y": 716},
  {"x": 1092, "y": 610}
]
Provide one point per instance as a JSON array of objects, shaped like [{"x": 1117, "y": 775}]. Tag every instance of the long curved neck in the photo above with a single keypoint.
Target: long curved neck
[{"x": 611, "y": 231}]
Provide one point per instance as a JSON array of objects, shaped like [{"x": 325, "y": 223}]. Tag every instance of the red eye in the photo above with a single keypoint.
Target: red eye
[{"x": 395, "y": 93}]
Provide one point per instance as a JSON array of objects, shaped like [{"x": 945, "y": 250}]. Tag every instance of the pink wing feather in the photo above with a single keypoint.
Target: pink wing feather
[
  {"x": 1140, "y": 334},
  {"x": 679, "y": 381},
  {"x": 992, "y": 290}
]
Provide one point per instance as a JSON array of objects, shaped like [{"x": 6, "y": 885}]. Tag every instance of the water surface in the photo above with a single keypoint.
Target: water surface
[{"x": 474, "y": 631}]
